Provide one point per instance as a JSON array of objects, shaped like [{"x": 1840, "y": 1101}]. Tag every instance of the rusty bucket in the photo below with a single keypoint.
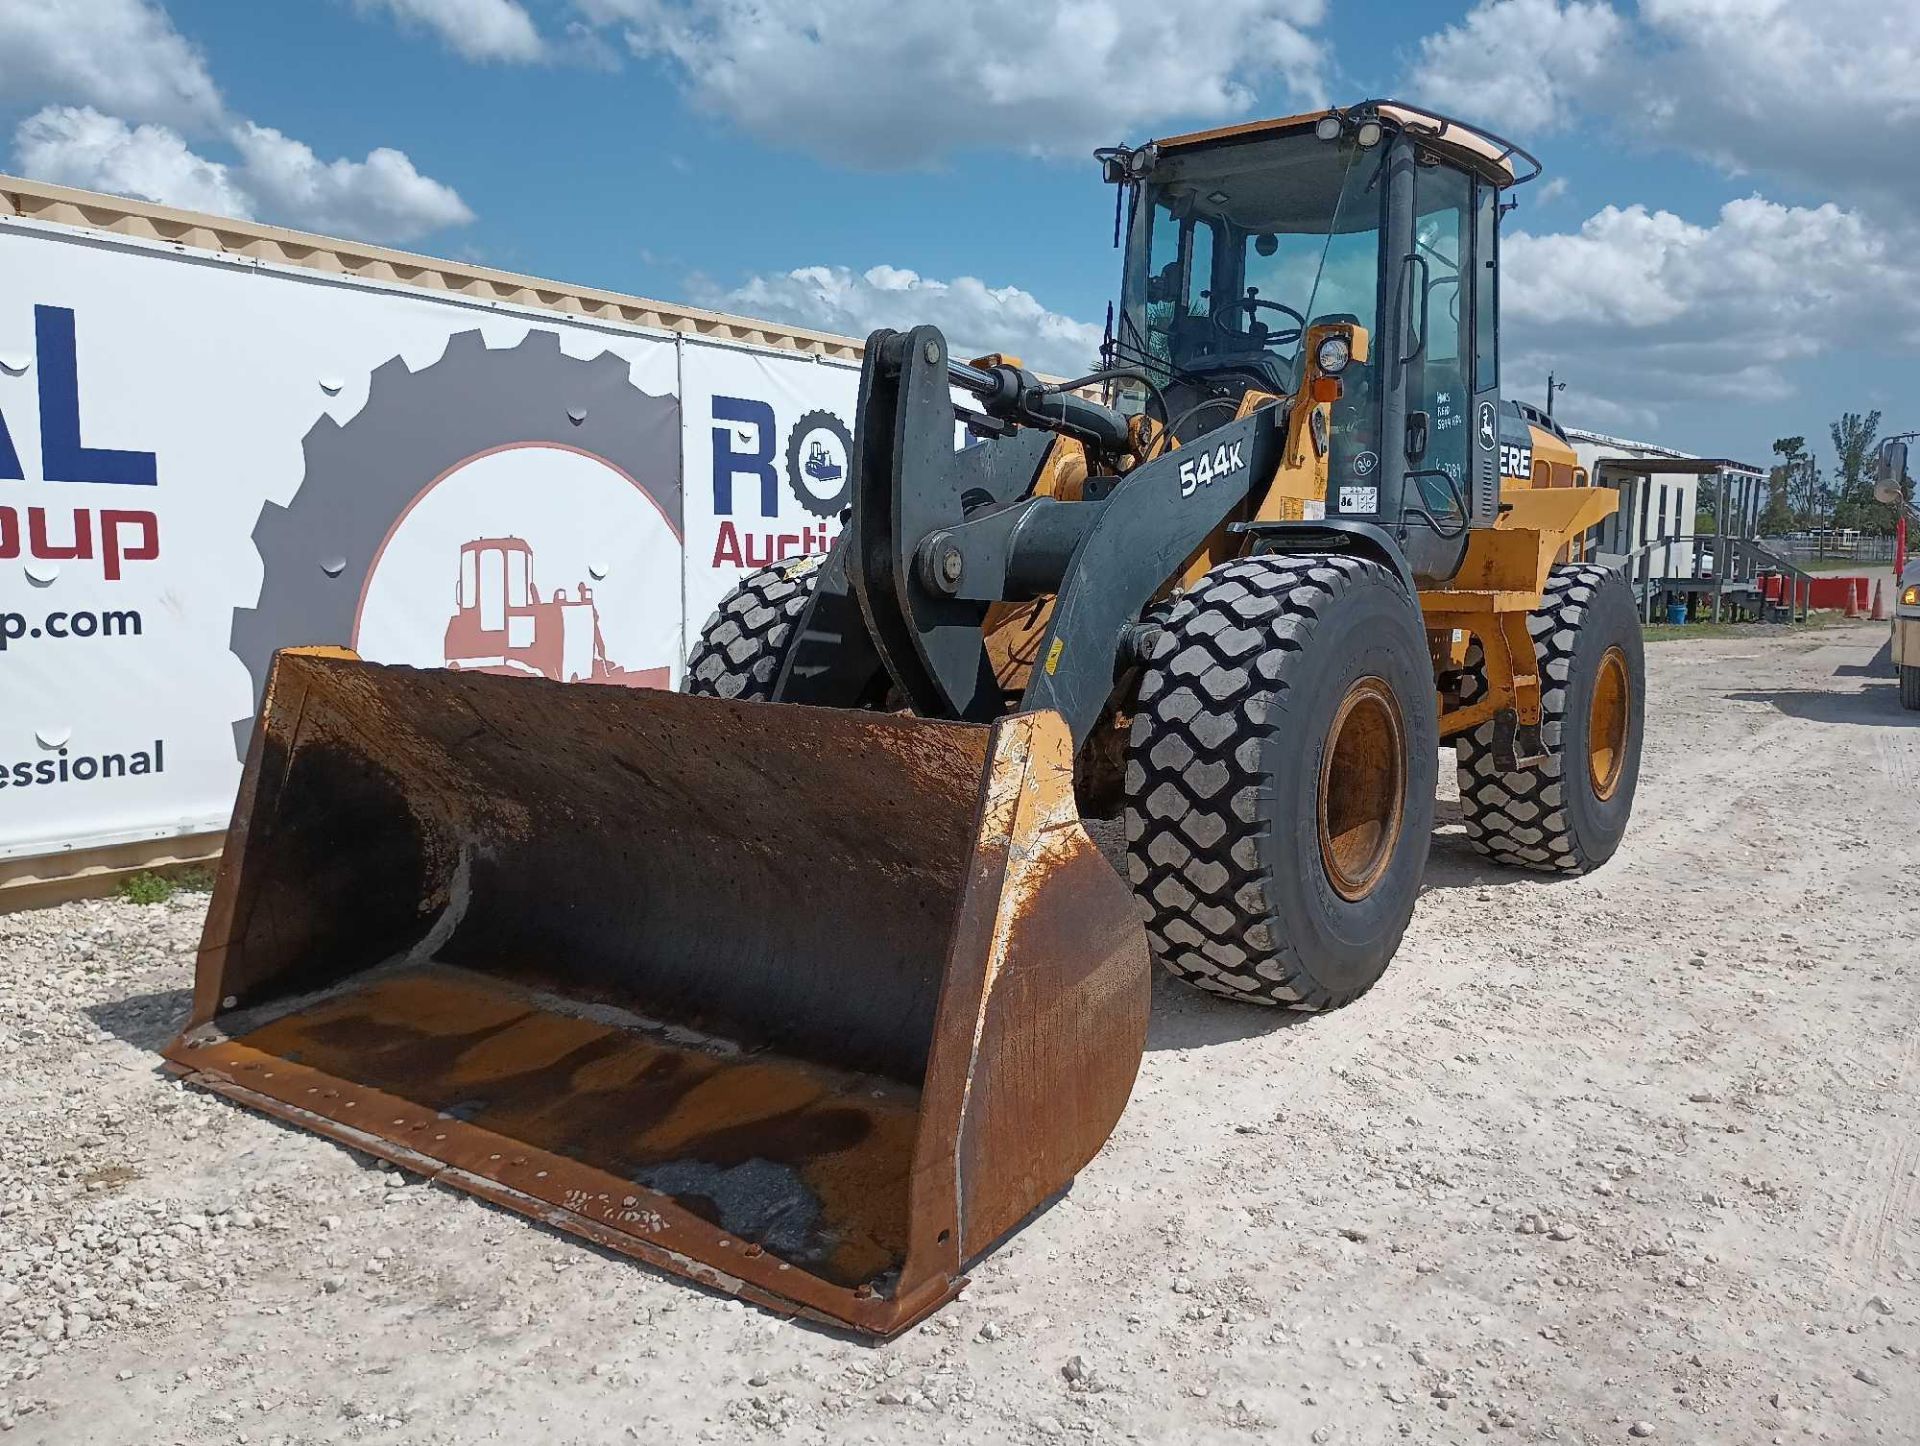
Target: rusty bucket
[{"x": 806, "y": 1005}]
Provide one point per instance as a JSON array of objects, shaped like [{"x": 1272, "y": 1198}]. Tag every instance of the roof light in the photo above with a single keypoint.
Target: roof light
[
  {"x": 1329, "y": 127},
  {"x": 1368, "y": 134}
]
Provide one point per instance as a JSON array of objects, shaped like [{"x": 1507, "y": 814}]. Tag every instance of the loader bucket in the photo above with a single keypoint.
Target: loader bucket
[{"x": 809, "y": 1006}]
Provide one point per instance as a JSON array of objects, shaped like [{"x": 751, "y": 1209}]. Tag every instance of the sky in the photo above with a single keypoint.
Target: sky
[{"x": 1718, "y": 255}]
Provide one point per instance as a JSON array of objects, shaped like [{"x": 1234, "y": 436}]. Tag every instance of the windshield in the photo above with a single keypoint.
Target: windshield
[{"x": 1234, "y": 249}]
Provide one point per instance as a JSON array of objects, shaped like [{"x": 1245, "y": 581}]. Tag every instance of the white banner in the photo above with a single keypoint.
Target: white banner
[
  {"x": 203, "y": 459},
  {"x": 767, "y": 442}
]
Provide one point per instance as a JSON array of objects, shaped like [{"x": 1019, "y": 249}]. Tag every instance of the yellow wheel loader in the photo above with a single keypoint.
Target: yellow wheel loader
[{"x": 808, "y": 983}]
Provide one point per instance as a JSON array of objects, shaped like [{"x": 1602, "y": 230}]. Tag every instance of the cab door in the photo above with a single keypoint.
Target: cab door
[{"x": 1440, "y": 380}]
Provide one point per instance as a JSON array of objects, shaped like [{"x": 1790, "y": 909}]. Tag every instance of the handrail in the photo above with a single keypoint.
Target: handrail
[
  {"x": 1642, "y": 584},
  {"x": 1636, "y": 566},
  {"x": 1795, "y": 575}
]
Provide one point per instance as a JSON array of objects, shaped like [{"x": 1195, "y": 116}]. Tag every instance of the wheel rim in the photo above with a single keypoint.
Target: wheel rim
[
  {"x": 1363, "y": 788},
  {"x": 1607, "y": 722}
]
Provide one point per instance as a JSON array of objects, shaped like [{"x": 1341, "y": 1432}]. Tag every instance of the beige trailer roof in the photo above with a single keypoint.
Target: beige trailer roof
[{"x": 192, "y": 230}]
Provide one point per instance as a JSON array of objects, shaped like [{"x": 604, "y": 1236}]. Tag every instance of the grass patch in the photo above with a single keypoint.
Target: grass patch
[
  {"x": 146, "y": 888},
  {"x": 1686, "y": 632},
  {"x": 151, "y": 888},
  {"x": 1691, "y": 632},
  {"x": 1842, "y": 564}
]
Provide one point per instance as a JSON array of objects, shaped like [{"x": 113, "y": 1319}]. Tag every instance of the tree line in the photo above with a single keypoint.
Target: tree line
[{"x": 1801, "y": 496}]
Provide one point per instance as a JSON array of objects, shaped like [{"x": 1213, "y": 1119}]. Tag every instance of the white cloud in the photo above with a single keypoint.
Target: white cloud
[
  {"x": 977, "y": 318},
  {"x": 1517, "y": 64},
  {"x": 124, "y": 55},
  {"x": 274, "y": 179},
  {"x": 121, "y": 91},
  {"x": 473, "y": 29},
  {"x": 1649, "y": 310},
  {"x": 381, "y": 196},
  {"x": 1824, "y": 95},
  {"x": 903, "y": 82},
  {"x": 77, "y": 146}
]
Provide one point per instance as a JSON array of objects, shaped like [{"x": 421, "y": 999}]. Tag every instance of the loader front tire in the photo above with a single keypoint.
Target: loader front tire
[
  {"x": 1280, "y": 779},
  {"x": 745, "y": 643},
  {"x": 1567, "y": 814},
  {"x": 1910, "y": 688}
]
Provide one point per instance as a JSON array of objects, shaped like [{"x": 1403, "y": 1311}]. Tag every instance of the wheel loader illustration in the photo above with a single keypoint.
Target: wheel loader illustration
[
  {"x": 820, "y": 464},
  {"x": 502, "y": 625},
  {"x": 809, "y": 983}
]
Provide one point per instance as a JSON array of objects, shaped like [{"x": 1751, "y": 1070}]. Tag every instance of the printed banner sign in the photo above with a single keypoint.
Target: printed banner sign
[{"x": 203, "y": 460}]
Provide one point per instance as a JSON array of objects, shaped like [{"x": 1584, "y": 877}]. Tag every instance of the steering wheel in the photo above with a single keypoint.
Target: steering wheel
[{"x": 1252, "y": 304}]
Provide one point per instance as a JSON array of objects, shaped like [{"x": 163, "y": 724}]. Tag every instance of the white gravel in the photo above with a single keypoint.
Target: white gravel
[{"x": 1635, "y": 1156}]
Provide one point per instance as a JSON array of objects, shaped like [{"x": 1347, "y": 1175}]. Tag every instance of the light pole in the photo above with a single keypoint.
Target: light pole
[{"x": 1552, "y": 387}]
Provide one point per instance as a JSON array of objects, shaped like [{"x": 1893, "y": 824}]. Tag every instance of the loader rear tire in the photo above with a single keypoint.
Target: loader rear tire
[
  {"x": 1568, "y": 814},
  {"x": 745, "y": 642},
  {"x": 1280, "y": 779},
  {"x": 1910, "y": 688}
]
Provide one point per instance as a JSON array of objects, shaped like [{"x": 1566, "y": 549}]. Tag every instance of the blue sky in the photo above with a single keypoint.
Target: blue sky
[{"x": 1704, "y": 272}]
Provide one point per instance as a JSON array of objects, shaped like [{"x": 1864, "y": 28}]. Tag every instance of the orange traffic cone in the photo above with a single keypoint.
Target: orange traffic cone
[{"x": 1879, "y": 600}]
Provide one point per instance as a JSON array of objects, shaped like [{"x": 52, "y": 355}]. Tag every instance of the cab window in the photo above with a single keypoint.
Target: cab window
[
  {"x": 1486, "y": 292},
  {"x": 1437, "y": 379}
]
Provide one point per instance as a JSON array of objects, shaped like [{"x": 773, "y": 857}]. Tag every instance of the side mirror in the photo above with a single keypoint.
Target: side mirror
[
  {"x": 1417, "y": 423},
  {"x": 1889, "y": 468}
]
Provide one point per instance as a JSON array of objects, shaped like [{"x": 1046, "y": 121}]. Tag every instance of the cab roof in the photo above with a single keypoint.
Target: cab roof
[{"x": 1494, "y": 157}]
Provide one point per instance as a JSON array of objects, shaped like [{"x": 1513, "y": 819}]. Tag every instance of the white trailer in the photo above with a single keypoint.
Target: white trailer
[{"x": 218, "y": 438}]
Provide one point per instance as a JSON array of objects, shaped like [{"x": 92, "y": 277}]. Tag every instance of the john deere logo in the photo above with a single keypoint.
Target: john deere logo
[{"x": 819, "y": 464}]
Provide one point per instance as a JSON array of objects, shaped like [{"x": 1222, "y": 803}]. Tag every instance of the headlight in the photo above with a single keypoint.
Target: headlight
[
  {"x": 1334, "y": 354},
  {"x": 1910, "y": 595}
]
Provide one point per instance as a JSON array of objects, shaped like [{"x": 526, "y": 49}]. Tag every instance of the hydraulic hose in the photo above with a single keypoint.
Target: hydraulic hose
[{"x": 1014, "y": 395}]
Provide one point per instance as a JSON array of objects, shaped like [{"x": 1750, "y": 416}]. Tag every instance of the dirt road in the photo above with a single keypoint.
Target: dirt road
[{"x": 1634, "y": 1156}]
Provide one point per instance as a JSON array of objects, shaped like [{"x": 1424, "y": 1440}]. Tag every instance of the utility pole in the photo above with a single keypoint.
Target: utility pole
[{"x": 1552, "y": 387}]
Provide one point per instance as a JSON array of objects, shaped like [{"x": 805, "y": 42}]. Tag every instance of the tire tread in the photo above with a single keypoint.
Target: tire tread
[
  {"x": 745, "y": 642},
  {"x": 1195, "y": 829},
  {"x": 1517, "y": 817}
]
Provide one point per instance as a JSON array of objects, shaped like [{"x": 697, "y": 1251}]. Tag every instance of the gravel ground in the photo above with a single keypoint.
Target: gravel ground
[{"x": 1634, "y": 1156}]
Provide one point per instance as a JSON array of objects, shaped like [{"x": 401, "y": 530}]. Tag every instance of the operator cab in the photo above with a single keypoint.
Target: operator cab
[
  {"x": 1379, "y": 221},
  {"x": 1228, "y": 259}
]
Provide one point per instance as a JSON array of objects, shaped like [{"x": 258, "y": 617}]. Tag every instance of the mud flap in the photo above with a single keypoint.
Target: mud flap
[{"x": 810, "y": 1006}]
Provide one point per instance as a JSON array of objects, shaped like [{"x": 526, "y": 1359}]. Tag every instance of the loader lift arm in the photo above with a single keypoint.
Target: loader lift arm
[{"x": 922, "y": 566}]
